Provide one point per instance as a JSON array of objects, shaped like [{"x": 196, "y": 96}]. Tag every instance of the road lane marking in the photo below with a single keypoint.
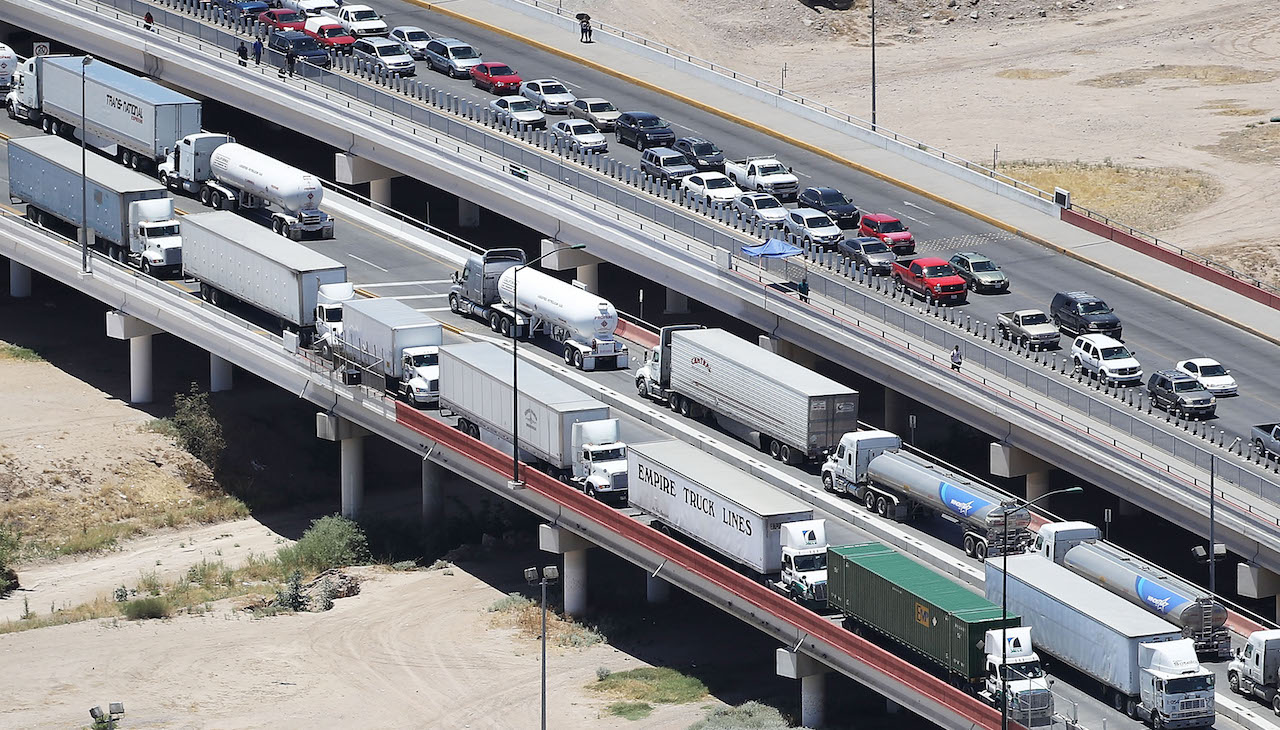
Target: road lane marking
[
  {"x": 913, "y": 205},
  {"x": 406, "y": 283},
  {"x": 434, "y": 309},
  {"x": 366, "y": 261},
  {"x": 419, "y": 296}
]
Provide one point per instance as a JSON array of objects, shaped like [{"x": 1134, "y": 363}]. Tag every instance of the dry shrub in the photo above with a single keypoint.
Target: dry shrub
[
  {"x": 1259, "y": 144},
  {"x": 1031, "y": 74},
  {"x": 1205, "y": 75}
]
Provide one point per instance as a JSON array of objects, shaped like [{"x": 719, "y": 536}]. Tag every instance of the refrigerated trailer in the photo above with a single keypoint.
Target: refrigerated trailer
[
  {"x": 763, "y": 398},
  {"x": 398, "y": 343},
  {"x": 231, "y": 256}
]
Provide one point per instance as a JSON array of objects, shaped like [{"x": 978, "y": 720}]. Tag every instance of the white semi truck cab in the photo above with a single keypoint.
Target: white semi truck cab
[
  {"x": 804, "y": 562},
  {"x": 155, "y": 238},
  {"x": 1176, "y": 692},
  {"x": 1017, "y": 667},
  {"x": 600, "y": 460},
  {"x": 329, "y": 301},
  {"x": 1255, "y": 671},
  {"x": 420, "y": 374}
]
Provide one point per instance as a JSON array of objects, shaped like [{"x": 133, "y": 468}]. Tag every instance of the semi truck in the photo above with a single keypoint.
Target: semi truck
[
  {"x": 137, "y": 116},
  {"x": 1143, "y": 663},
  {"x": 229, "y": 176},
  {"x": 397, "y": 343},
  {"x": 872, "y": 467},
  {"x": 563, "y": 431},
  {"x": 761, "y": 397},
  {"x": 1078, "y": 546},
  {"x": 8, "y": 63},
  {"x": 233, "y": 257},
  {"x": 329, "y": 301},
  {"x": 957, "y": 630},
  {"x": 130, "y": 215},
  {"x": 583, "y": 323},
  {"x": 1255, "y": 671},
  {"x": 771, "y": 534}
]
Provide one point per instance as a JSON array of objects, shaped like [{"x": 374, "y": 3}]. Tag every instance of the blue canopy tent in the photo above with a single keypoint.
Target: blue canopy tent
[{"x": 774, "y": 248}]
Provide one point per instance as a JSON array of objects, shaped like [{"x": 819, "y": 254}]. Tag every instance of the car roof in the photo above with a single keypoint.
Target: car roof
[
  {"x": 693, "y": 140},
  {"x": 810, "y": 211},
  {"x": 379, "y": 41},
  {"x": 450, "y": 41},
  {"x": 643, "y": 115},
  {"x": 878, "y": 217},
  {"x": 823, "y": 190},
  {"x": 545, "y": 81},
  {"x": 1101, "y": 340},
  {"x": 927, "y": 261},
  {"x": 865, "y": 239},
  {"x": 290, "y": 33},
  {"x": 1175, "y": 375},
  {"x": 407, "y": 28},
  {"x": 1079, "y": 296},
  {"x": 1202, "y": 361},
  {"x": 972, "y": 256},
  {"x": 356, "y": 7}
]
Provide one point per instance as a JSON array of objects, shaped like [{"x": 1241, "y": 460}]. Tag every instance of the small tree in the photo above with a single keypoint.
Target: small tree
[
  {"x": 290, "y": 596},
  {"x": 198, "y": 429}
]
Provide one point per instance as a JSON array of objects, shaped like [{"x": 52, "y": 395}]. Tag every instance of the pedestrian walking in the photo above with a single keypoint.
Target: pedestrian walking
[
  {"x": 804, "y": 290},
  {"x": 585, "y": 25},
  {"x": 290, "y": 60},
  {"x": 956, "y": 359},
  {"x": 243, "y": 53},
  {"x": 257, "y": 51},
  {"x": 147, "y": 20}
]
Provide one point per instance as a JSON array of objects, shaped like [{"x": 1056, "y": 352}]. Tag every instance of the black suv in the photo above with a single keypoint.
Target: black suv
[
  {"x": 832, "y": 202},
  {"x": 307, "y": 48},
  {"x": 700, "y": 153},
  {"x": 1081, "y": 313},
  {"x": 1180, "y": 394},
  {"x": 642, "y": 129}
]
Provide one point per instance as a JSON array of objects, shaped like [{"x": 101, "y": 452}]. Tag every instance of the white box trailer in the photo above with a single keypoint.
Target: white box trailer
[
  {"x": 475, "y": 383},
  {"x": 712, "y": 502},
  {"x": 230, "y": 255},
  {"x": 398, "y": 343}
]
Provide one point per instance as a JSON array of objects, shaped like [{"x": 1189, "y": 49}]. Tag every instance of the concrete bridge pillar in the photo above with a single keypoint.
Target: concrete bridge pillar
[
  {"x": 380, "y": 191},
  {"x": 589, "y": 275},
  {"x": 677, "y": 303},
  {"x": 556, "y": 539},
  {"x": 1255, "y": 581},
  {"x": 221, "y": 373},
  {"x": 350, "y": 169},
  {"x": 121, "y": 326},
  {"x": 350, "y": 437},
  {"x": 433, "y": 476},
  {"x": 813, "y": 684},
  {"x": 1010, "y": 461},
  {"x": 19, "y": 280},
  {"x": 468, "y": 214}
]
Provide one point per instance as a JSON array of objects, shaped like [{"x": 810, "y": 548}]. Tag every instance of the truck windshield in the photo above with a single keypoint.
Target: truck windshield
[
  {"x": 1026, "y": 670},
  {"x": 1187, "y": 386},
  {"x": 1095, "y": 308},
  {"x": 333, "y": 314},
  {"x": 302, "y": 45},
  {"x": 1202, "y": 683},
  {"x": 160, "y": 231},
  {"x": 1038, "y": 318},
  {"x": 363, "y": 15},
  {"x": 943, "y": 270},
  {"x": 773, "y": 168},
  {"x": 616, "y": 454},
  {"x": 1115, "y": 353},
  {"x": 422, "y": 361},
  {"x": 810, "y": 563}
]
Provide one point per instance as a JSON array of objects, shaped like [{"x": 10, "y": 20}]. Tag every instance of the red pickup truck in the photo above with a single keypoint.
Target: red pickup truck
[{"x": 930, "y": 278}]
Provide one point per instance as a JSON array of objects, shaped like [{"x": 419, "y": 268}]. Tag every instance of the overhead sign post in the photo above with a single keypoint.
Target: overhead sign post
[{"x": 40, "y": 48}]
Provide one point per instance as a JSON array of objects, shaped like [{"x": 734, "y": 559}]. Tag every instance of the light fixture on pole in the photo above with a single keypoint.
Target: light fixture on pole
[
  {"x": 873, "y": 65},
  {"x": 1004, "y": 596},
  {"x": 550, "y": 574},
  {"x": 515, "y": 360},
  {"x": 84, "y": 175}
]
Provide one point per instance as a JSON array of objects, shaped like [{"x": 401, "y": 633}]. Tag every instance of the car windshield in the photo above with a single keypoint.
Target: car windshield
[
  {"x": 651, "y": 123},
  {"x": 601, "y": 106},
  {"x": 1038, "y": 318},
  {"x": 520, "y": 105},
  {"x": 817, "y": 221},
  {"x": 810, "y": 563},
  {"x": 389, "y": 49},
  {"x": 417, "y": 35},
  {"x": 943, "y": 270},
  {"x": 703, "y": 148},
  {"x": 1115, "y": 353},
  {"x": 333, "y": 31},
  {"x": 766, "y": 203},
  {"x": 718, "y": 183},
  {"x": 1212, "y": 370},
  {"x": 582, "y": 128},
  {"x": 424, "y": 360},
  {"x": 773, "y": 168},
  {"x": 888, "y": 226},
  {"x": 1187, "y": 386},
  {"x": 287, "y": 16},
  {"x": 1026, "y": 670},
  {"x": 501, "y": 71},
  {"x": 983, "y": 265},
  {"x": 874, "y": 247},
  {"x": 363, "y": 15},
  {"x": 1094, "y": 308},
  {"x": 305, "y": 44},
  {"x": 463, "y": 52},
  {"x": 553, "y": 89},
  {"x": 1179, "y": 685},
  {"x": 834, "y": 197}
]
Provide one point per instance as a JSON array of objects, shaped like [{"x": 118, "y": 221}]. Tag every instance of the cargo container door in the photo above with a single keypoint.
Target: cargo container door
[{"x": 831, "y": 417}]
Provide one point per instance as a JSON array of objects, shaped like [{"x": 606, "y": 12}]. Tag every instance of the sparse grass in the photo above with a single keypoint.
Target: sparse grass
[
  {"x": 525, "y": 615},
  {"x": 144, "y": 608},
  {"x": 1205, "y": 75},
  {"x": 509, "y": 602},
  {"x": 1230, "y": 108},
  {"x": 1259, "y": 259},
  {"x": 747, "y": 716},
  {"x": 1256, "y": 143},
  {"x": 630, "y": 710},
  {"x": 103, "y": 607},
  {"x": 658, "y": 685},
  {"x": 18, "y": 353},
  {"x": 1149, "y": 199},
  {"x": 1031, "y": 74}
]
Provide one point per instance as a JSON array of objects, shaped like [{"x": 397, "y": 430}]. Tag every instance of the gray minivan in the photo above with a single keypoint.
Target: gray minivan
[
  {"x": 452, "y": 56},
  {"x": 664, "y": 163}
]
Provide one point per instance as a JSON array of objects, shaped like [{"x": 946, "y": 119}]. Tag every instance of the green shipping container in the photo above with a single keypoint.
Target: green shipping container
[{"x": 928, "y": 612}]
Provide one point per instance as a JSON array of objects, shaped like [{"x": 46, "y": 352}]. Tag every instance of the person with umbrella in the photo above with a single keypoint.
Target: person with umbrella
[{"x": 584, "y": 22}]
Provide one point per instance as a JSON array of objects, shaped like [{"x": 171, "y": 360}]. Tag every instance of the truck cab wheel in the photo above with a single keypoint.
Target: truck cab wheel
[
  {"x": 1157, "y": 720},
  {"x": 1233, "y": 681},
  {"x": 869, "y": 501},
  {"x": 641, "y": 388},
  {"x": 493, "y": 321},
  {"x": 146, "y": 267},
  {"x": 454, "y": 305},
  {"x": 828, "y": 482},
  {"x": 591, "y": 492}
]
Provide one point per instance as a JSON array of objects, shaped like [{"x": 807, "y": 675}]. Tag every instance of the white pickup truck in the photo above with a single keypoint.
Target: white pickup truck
[
  {"x": 763, "y": 174},
  {"x": 360, "y": 20},
  {"x": 1028, "y": 327}
]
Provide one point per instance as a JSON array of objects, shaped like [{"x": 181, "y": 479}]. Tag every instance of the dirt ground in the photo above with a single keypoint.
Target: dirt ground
[{"x": 1173, "y": 83}]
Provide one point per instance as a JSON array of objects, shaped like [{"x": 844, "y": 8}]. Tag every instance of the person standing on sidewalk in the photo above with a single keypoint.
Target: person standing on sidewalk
[
  {"x": 243, "y": 53},
  {"x": 585, "y": 25},
  {"x": 257, "y": 51},
  {"x": 147, "y": 21},
  {"x": 804, "y": 290},
  {"x": 290, "y": 60},
  {"x": 956, "y": 359}
]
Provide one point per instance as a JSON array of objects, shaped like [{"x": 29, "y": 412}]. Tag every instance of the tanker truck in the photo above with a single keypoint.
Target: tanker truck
[
  {"x": 871, "y": 466},
  {"x": 1078, "y": 546},
  {"x": 229, "y": 176},
  {"x": 8, "y": 63},
  {"x": 137, "y": 116},
  {"x": 583, "y": 323}
]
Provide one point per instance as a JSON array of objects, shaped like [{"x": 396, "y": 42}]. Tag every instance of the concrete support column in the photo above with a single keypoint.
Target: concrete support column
[
  {"x": 1038, "y": 484},
  {"x": 432, "y": 495},
  {"x": 556, "y": 539},
  {"x": 656, "y": 590},
  {"x": 813, "y": 687},
  {"x": 677, "y": 303},
  {"x": 19, "y": 280},
  {"x": 221, "y": 373},
  {"x": 140, "y": 369},
  {"x": 895, "y": 413},
  {"x": 468, "y": 214},
  {"x": 1255, "y": 581},
  {"x": 1010, "y": 461},
  {"x": 589, "y": 275},
  {"x": 350, "y": 436},
  {"x": 380, "y": 191}
]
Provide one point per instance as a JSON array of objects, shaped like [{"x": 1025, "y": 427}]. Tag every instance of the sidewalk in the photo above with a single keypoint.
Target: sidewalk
[{"x": 612, "y": 57}]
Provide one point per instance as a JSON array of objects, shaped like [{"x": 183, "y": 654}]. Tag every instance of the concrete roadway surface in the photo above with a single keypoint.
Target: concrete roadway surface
[
  {"x": 1159, "y": 330},
  {"x": 382, "y": 263}
]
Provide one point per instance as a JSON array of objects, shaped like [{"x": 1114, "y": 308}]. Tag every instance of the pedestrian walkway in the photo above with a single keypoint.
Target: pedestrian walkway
[{"x": 610, "y": 55}]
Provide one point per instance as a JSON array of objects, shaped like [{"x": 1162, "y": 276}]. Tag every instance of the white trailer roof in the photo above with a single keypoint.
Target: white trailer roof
[
  {"x": 535, "y": 383},
  {"x": 1085, "y": 596},
  {"x": 100, "y": 170},
  {"x": 123, "y": 81},
  {"x": 249, "y": 234},
  {"x": 768, "y": 364},
  {"x": 721, "y": 477},
  {"x": 390, "y": 312}
]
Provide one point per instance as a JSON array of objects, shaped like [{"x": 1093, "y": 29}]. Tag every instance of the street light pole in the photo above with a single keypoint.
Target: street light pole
[
  {"x": 873, "y": 65},
  {"x": 1004, "y": 599},
  {"x": 84, "y": 175},
  {"x": 550, "y": 574},
  {"x": 515, "y": 366}
]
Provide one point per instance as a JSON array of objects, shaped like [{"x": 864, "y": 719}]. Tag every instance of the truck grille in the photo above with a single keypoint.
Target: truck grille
[
  {"x": 786, "y": 188},
  {"x": 819, "y": 591},
  {"x": 1127, "y": 371},
  {"x": 952, "y": 287},
  {"x": 618, "y": 481},
  {"x": 172, "y": 256},
  {"x": 1188, "y": 705},
  {"x": 311, "y": 217}
]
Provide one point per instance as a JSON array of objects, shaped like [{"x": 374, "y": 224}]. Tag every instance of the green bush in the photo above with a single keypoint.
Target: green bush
[
  {"x": 747, "y": 716},
  {"x": 198, "y": 430},
  {"x": 509, "y": 602},
  {"x": 290, "y": 596},
  {"x": 661, "y": 685},
  {"x": 327, "y": 592},
  {"x": 144, "y": 608},
  {"x": 330, "y": 542},
  {"x": 631, "y": 710},
  {"x": 8, "y": 552}
]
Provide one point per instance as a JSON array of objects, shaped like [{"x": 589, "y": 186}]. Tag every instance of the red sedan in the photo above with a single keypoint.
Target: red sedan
[
  {"x": 283, "y": 19},
  {"x": 496, "y": 78}
]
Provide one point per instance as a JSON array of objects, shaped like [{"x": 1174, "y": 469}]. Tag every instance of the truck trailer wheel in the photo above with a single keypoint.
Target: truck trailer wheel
[
  {"x": 969, "y": 545},
  {"x": 493, "y": 321},
  {"x": 775, "y": 449},
  {"x": 1117, "y": 701},
  {"x": 869, "y": 501},
  {"x": 577, "y": 359},
  {"x": 686, "y": 409},
  {"x": 1275, "y": 704},
  {"x": 786, "y": 454}
]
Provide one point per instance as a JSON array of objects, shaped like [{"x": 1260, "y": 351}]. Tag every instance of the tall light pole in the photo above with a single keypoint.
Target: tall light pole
[
  {"x": 1004, "y": 598},
  {"x": 84, "y": 174},
  {"x": 873, "y": 65},
  {"x": 550, "y": 574},
  {"x": 515, "y": 361},
  {"x": 1213, "y": 501}
]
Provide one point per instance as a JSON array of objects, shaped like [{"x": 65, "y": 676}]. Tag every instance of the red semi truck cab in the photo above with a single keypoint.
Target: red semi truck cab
[{"x": 930, "y": 278}]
